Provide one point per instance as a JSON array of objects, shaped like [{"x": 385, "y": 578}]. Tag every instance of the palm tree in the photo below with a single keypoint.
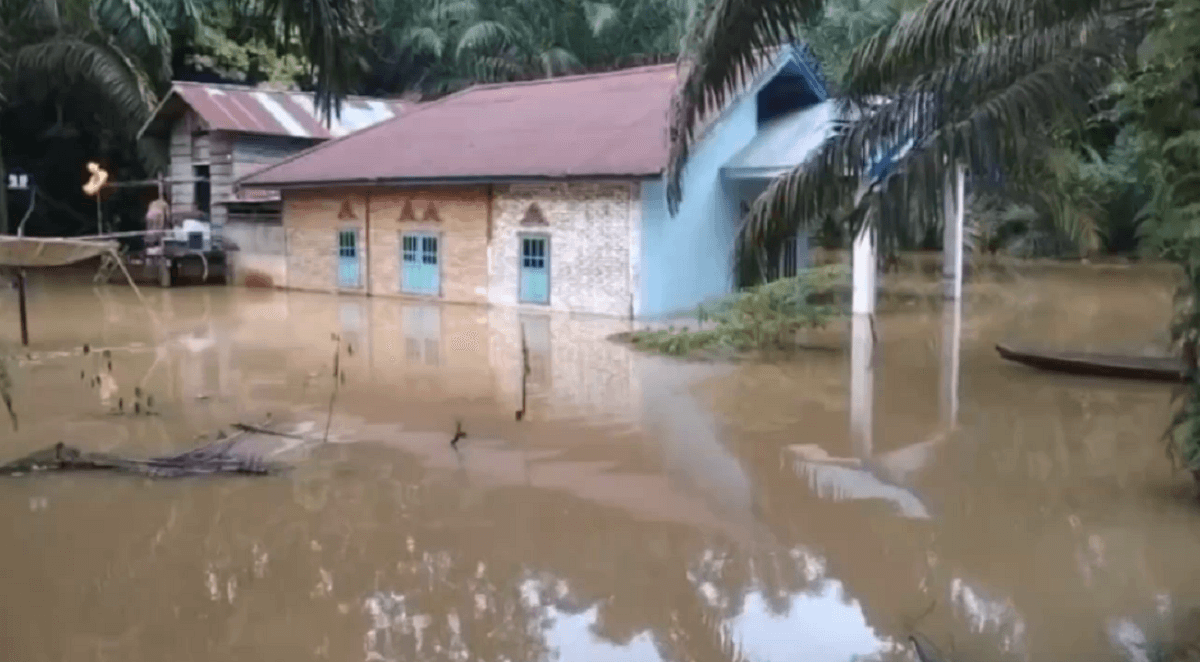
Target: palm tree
[
  {"x": 975, "y": 83},
  {"x": 109, "y": 57}
]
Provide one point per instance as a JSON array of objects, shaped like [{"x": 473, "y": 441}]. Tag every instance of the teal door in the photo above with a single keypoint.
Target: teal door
[
  {"x": 349, "y": 275},
  {"x": 420, "y": 273},
  {"x": 535, "y": 269}
]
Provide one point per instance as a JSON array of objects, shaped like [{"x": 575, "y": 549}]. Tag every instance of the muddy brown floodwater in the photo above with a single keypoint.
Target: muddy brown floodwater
[{"x": 641, "y": 499}]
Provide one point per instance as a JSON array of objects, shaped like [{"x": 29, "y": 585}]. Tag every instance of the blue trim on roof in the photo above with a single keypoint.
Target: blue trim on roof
[{"x": 796, "y": 83}]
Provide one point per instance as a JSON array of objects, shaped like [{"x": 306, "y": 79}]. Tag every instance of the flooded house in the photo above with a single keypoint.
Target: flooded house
[
  {"x": 215, "y": 134},
  {"x": 547, "y": 194}
]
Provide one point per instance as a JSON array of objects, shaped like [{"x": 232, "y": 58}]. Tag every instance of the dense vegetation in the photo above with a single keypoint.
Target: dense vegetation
[{"x": 80, "y": 77}]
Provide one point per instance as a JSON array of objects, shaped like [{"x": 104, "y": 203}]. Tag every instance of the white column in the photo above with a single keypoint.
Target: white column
[
  {"x": 862, "y": 385},
  {"x": 953, "y": 234},
  {"x": 950, "y": 364},
  {"x": 863, "y": 268}
]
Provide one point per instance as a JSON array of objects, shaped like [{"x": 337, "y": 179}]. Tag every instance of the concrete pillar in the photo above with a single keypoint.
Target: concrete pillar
[
  {"x": 953, "y": 234},
  {"x": 862, "y": 385},
  {"x": 950, "y": 364},
  {"x": 863, "y": 269}
]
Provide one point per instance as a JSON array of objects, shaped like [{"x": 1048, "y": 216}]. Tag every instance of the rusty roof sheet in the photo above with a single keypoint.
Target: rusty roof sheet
[
  {"x": 611, "y": 124},
  {"x": 246, "y": 109}
]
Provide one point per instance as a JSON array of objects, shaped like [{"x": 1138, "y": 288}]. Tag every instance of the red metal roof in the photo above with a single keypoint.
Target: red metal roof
[
  {"x": 246, "y": 109},
  {"x": 610, "y": 124}
]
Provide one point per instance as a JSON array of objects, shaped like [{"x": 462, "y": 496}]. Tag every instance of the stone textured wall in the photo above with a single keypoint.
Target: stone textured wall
[
  {"x": 594, "y": 230},
  {"x": 263, "y": 270},
  {"x": 594, "y": 245},
  {"x": 459, "y": 217},
  {"x": 312, "y": 220}
]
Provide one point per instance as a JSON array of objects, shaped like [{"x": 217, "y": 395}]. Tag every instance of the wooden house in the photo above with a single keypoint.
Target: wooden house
[{"x": 216, "y": 134}]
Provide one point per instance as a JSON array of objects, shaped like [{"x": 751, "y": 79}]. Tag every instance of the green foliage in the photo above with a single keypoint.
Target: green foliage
[
  {"x": 234, "y": 48},
  {"x": 447, "y": 44},
  {"x": 841, "y": 27},
  {"x": 762, "y": 317},
  {"x": 1160, "y": 100}
]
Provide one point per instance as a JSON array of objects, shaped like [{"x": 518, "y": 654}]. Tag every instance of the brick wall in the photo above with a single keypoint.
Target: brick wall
[
  {"x": 459, "y": 218},
  {"x": 594, "y": 242},
  {"x": 594, "y": 231},
  {"x": 311, "y": 219}
]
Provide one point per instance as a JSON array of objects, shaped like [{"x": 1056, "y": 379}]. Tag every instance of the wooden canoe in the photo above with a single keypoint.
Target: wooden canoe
[{"x": 1149, "y": 368}]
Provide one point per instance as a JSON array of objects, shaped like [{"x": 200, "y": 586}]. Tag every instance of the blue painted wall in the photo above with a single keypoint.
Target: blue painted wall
[{"x": 688, "y": 258}]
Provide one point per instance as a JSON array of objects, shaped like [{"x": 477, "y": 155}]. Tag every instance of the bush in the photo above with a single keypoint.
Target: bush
[{"x": 758, "y": 318}]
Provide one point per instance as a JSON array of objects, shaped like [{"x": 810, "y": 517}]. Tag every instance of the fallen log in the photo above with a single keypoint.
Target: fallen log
[{"x": 215, "y": 458}]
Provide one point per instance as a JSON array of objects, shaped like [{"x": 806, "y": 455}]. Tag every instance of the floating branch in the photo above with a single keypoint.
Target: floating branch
[
  {"x": 524, "y": 372},
  {"x": 337, "y": 354},
  {"x": 212, "y": 459},
  {"x": 458, "y": 434},
  {"x": 6, "y": 392}
]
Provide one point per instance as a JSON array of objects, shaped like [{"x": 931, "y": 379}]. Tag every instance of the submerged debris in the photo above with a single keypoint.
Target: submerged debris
[
  {"x": 459, "y": 433},
  {"x": 926, "y": 650},
  {"x": 211, "y": 459},
  {"x": 6, "y": 387}
]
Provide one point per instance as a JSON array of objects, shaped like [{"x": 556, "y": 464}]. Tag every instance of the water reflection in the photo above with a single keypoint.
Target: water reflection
[
  {"x": 423, "y": 334},
  {"x": 641, "y": 500}
]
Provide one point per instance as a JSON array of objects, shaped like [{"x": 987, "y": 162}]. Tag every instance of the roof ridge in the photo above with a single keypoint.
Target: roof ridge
[
  {"x": 252, "y": 88},
  {"x": 416, "y": 108},
  {"x": 574, "y": 77}
]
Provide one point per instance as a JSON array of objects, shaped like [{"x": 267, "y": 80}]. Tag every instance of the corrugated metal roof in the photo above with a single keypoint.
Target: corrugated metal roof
[
  {"x": 246, "y": 109},
  {"x": 610, "y": 124}
]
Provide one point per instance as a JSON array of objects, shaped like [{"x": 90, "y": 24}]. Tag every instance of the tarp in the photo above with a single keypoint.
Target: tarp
[{"x": 32, "y": 252}]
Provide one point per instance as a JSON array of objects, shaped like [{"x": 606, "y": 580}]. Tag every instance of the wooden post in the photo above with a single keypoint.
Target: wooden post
[{"x": 21, "y": 305}]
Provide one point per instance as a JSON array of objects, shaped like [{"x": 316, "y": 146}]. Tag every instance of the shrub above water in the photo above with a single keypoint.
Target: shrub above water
[{"x": 763, "y": 317}]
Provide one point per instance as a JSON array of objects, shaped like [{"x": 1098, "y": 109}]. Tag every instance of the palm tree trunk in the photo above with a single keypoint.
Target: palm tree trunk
[{"x": 3, "y": 195}]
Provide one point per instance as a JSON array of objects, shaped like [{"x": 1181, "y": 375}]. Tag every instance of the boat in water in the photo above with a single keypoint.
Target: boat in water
[{"x": 1146, "y": 368}]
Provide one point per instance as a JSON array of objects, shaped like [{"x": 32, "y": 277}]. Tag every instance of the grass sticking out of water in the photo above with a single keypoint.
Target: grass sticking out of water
[{"x": 764, "y": 317}]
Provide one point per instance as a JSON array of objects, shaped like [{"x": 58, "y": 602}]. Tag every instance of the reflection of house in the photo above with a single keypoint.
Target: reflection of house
[
  {"x": 218, "y": 133},
  {"x": 545, "y": 194}
]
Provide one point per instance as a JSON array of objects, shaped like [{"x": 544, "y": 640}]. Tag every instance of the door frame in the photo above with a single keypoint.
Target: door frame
[
  {"x": 436, "y": 234},
  {"x": 358, "y": 257},
  {"x": 521, "y": 237}
]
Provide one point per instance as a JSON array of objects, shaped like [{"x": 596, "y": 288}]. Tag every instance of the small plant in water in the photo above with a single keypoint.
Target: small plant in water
[
  {"x": 339, "y": 378},
  {"x": 762, "y": 317},
  {"x": 6, "y": 387}
]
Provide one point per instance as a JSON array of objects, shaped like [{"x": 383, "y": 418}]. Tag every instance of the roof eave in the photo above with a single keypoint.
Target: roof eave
[
  {"x": 443, "y": 181},
  {"x": 154, "y": 116}
]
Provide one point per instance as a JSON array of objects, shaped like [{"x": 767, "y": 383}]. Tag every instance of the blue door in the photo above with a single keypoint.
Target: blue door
[
  {"x": 348, "y": 269},
  {"x": 535, "y": 269},
  {"x": 420, "y": 273}
]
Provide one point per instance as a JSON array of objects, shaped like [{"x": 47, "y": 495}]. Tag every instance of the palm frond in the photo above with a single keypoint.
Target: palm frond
[
  {"x": 985, "y": 108},
  {"x": 455, "y": 10},
  {"x": 97, "y": 70},
  {"x": 600, "y": 16},
  {"x": 334, "y": 35},
  {"x": 484, "y": 37},
  {"x": 939, "y": 31},
  {"x": 556, "y": 61},
  {"x": 727, "y": 46},
  {"x": 421, "y": 40},
  {"x": 137, "y": 25}
]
